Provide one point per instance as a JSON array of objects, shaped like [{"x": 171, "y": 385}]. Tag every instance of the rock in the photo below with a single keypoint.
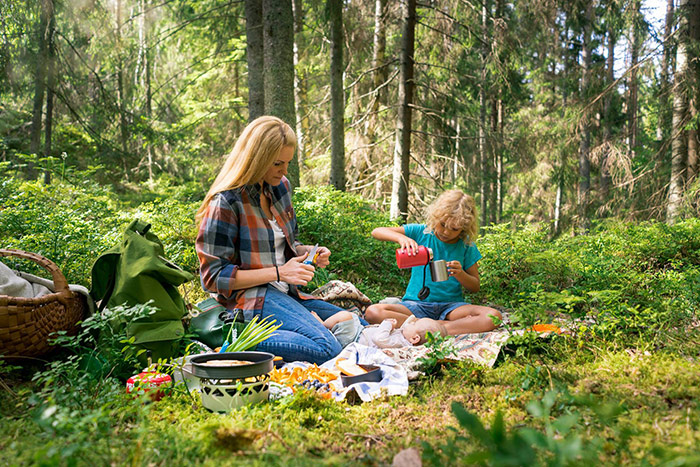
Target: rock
[{"x": 407, "y": 458}]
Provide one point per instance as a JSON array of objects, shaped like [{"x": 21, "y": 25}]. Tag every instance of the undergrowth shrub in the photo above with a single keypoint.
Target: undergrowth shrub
[
  {"x": 73, "y": 224},
  {"x": 343, "y": 222},
  {"x": 631, "y": 280},
  {"x": 78, "y": 400}
]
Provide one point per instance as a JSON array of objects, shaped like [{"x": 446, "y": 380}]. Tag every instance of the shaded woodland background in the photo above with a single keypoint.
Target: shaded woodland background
[{"x": 546, "y": 110}]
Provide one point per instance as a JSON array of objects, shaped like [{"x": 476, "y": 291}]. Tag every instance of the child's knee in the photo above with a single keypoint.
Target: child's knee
[
  {"x": 374, "y": 314},
  {"x": 495, "y": 316}
]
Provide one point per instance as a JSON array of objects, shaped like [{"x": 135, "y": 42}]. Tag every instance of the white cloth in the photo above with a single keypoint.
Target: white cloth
[
  {"x": 394, "y": 377},
  {"x": 13, "y": 285},
  {"x": 48, "y": 286},
  {"x": 383, "y": 336},
  {"x": 280, "y": 242}
]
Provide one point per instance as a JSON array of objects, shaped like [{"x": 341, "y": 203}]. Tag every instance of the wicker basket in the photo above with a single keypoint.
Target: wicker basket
[{"x": 27, "y": 323}]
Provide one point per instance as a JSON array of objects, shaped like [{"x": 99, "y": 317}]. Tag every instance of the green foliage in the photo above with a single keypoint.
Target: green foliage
[
  {"x": 77, "y": 399},
  {"x": 627, "y": 280},
  {"x": 73, "y": 224},
  {"x": 343, "y": 222},
  {"x": 558, "y": 444},
  {"x": 440, "y": 349}
]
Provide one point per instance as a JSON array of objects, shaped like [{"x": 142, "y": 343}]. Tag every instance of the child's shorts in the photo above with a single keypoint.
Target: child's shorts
[
  {"x": 348, "y": 331},
  {"x": 433, "y": 310}
]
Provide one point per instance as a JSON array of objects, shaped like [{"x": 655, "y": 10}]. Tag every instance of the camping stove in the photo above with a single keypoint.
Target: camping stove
[{"x": 227, "y": 383}]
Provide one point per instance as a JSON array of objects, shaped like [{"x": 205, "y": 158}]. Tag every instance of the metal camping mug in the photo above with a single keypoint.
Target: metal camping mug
[
  {"x": 438, "y": 270},
  {"x": 421, "y": 258}
]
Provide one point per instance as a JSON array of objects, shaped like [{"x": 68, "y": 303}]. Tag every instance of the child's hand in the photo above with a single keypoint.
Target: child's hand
[
  {"x": 408, "y": 244},
  {"x": 315, "y": 315},
  {"x": 454, "y": 268},
  {"x": 393, "y": 322}
]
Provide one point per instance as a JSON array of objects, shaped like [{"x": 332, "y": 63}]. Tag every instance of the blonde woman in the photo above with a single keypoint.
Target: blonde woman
[
  {"x": 450, "y": 231},
  {"x": 247, "y": 245}
]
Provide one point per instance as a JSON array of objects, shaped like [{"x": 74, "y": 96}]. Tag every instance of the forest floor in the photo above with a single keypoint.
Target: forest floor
[{"x": 588, "y": 403}]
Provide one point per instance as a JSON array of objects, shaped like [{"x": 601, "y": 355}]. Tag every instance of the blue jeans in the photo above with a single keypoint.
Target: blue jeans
[
  {"x": 433, "y": 310},
  {"x": 302, "y": 336}
]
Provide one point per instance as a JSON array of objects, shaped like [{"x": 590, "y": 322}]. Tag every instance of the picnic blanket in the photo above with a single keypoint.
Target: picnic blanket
[{"x": 482, "y": 348}]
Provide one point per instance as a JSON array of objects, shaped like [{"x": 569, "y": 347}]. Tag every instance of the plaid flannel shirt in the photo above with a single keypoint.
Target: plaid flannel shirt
[{"x": 235, "y": 234}]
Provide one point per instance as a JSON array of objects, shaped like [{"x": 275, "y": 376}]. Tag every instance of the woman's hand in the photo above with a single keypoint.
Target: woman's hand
[
  {"x": 323, "y": 258},
  {"x": 296, "y": 272}
]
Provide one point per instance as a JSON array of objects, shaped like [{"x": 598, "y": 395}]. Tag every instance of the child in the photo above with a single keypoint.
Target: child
[
  {"x": 346, "y": 327},
  {"x": 450, "y": 231}
]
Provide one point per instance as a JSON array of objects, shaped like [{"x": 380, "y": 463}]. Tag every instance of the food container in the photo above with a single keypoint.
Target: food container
[
  {"x": 373, "y": 375},
  {"x": 420, "y": 258},
  {"x": 150, "y": 382}
]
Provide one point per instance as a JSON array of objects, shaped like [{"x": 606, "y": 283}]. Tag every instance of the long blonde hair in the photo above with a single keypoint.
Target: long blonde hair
[
  {"x": 458, "y": 211},
  {"x": 252, "y": 156}
]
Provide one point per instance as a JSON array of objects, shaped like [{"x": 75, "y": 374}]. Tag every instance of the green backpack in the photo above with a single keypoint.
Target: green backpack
[{"x": 135, "y": 272}]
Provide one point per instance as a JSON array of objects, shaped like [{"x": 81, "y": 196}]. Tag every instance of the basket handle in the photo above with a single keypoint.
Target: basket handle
[{"x": 59, "y": 280}]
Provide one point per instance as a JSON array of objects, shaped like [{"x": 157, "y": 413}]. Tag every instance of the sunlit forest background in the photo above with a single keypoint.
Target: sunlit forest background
[{"x": 557, "y": 111}]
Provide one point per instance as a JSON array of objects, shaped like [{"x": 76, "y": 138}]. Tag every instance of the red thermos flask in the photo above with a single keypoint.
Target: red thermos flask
[{"x": 423, "y": 257}]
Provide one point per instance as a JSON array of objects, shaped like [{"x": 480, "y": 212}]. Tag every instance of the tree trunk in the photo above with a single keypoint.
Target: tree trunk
[
  {"x": 337, "y": 178},
  {"x": 255, "y": 58},
  {"x": 402, "y": 148},
  {"x": 378, "y": 69},
  {"x": 143, "y": 78},
  {"x": 633, "y": 97},
  {"x": 584, "y": 168},
  {"x": 299, "y": 83},
  {"x": 689, "y": 10},
  {"x": 483, "y": 152},
  {"x": 694, "y": 87},
  {"x": 662, "y": 122},
  {"x": 39, "y": 82},
  {"x": 605, "y": 179},
  {"x": 278, "y": 52},
  {"x": 121, "y": 100},
  {"x": 499, "y": 165},
  {"x": 50, "y": 85}
]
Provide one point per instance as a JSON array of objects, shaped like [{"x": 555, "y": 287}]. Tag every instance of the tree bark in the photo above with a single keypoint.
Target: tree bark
[
  {"x": 39, "y": 82},
  {"x": 379, "y": 73},
  {"x": 688, "y": 11},
  {"x": 50, "y": 85},
  {"x": 584, "y": 167},
  {"x": 605, "y": 179},
  {"x": 662, "y": 121},
  {"x": 337, "y": 177},
  {"x": 278, "y": 53},
  {"x": 402, "y": 148},
  {"x": 299, "y": 83},
  {"x": 694, "y": 93},
  {"x": 633, "y": 97},
  {"x": 483, "y": 151},
  {"x": 121, "y": 99},
  {"x": 255, "y": 58}
]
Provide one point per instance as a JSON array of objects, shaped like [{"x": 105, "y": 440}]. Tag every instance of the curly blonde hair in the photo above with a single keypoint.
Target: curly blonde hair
[
  {"x": 458, "y": 211},
  {"x": 254, "y": 153}
]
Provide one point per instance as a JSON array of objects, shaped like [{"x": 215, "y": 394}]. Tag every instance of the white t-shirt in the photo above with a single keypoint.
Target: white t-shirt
[{"x": 280, "y": 242}]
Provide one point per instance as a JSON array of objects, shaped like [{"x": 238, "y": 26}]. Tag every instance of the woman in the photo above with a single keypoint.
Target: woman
[{"x": 247, "y": 248}]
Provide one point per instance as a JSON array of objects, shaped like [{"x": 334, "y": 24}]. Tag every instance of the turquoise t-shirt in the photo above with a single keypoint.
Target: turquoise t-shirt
[{"x": 446, "y": 291}]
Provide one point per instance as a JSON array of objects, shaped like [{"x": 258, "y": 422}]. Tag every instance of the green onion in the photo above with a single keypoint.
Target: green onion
[{"x": 254, "y": 333}]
